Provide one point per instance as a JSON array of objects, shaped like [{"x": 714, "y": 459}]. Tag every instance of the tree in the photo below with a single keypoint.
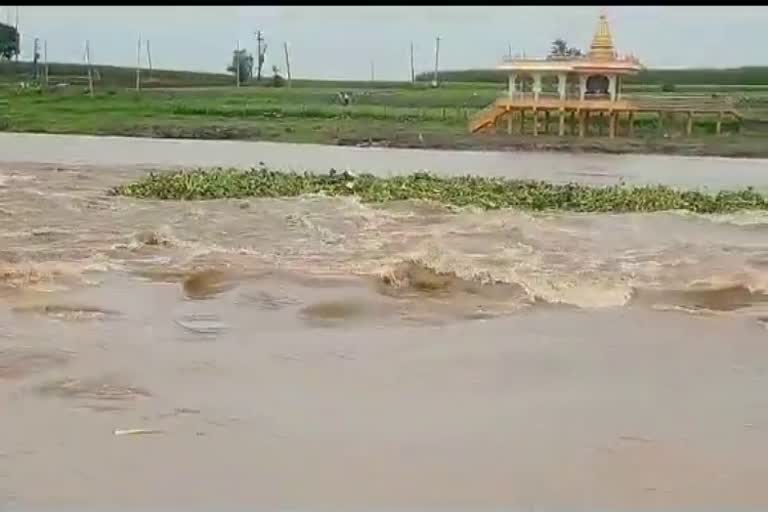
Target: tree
[
  {"x": 9, "y": 41},
  {"x": 561, "y": 50},
  {"x": 243, "y": 60}
]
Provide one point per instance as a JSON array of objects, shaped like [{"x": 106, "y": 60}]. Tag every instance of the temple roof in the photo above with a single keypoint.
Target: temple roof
[
  {"x": 601, "y": 56},
  {"x": 602, "y": 43}
]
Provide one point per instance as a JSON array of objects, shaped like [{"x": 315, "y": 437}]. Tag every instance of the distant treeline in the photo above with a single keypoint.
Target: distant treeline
[
  {"x": 756, "y": 75},
  {"x": 117, "y": 76},
  {"x": 110, "y": 76}
]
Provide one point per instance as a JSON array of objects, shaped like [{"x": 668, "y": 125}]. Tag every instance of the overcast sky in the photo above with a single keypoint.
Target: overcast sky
[{"x": 340, "y": 42}]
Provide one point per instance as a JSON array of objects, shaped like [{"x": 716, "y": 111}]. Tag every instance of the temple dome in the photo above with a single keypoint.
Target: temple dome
[{"x": 602, "y": 43}]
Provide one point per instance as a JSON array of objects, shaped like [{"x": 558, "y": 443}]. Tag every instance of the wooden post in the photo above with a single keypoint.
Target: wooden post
[
  {"x": 719, "y": 125},
  {"x": 546, "y": 121},
  {"x": 582, "y": 123},
  {"x": 522, "y": 121},
  {"x": 535, "y": 123},
  {"x": 689, "y": 124},
  {"x": 611, "y": 124},
  {"x": 561, "y": 127},
  {"x": 287, "y": 63},
  {"x": 631, "y": 122}
]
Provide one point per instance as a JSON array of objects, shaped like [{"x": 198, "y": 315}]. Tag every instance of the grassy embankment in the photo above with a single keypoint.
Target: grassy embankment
[
  {"x": 467, "y": 191},
  {"x": 394, "y": 114}
]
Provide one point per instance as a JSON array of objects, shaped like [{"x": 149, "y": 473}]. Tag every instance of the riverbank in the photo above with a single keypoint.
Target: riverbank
[{"x": 24, "y": 150}]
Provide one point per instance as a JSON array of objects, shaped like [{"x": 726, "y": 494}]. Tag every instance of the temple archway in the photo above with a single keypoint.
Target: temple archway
[
  {"x": 525, "y": 83},
  {"x": 549, "y": 85},
  {"x": 597, "y": 85}
]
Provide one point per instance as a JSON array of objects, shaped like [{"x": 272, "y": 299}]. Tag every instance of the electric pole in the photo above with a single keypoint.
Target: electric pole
[
  {"x": 138, "y": 65},
  {"x": 259, "y": 54},
  {"x": 36, "y": 58},
  {"x": 413, "y": 71},
  {"x": 18, "y": 37},
  {"x": 88, "y": 63},
  {"x": 149, "y": 58},
  {"x": 287, "y": 63},
  {"x": 237, "y": 63},
  {"x": 45, "y": 61},
  {"x": 437, "y": 60}
]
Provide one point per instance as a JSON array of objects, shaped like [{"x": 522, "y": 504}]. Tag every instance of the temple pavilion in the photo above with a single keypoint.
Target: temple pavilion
[{"x": 581, "y": 88}]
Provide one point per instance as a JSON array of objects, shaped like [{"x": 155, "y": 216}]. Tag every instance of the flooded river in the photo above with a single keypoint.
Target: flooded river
[{"x": 320, "y": 352}]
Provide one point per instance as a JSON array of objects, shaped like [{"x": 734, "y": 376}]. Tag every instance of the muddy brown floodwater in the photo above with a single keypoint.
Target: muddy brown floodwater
[{"x": 318, "y": 352}]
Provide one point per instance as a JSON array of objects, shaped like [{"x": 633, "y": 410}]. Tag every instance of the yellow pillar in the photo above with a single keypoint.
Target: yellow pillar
[
  {"x": 582, "y": 123},
  {"x": 535, "y": 123},
  {"x": 582, "y": 86},
  {"x": 509, "y": 122},
  {"x": 561, "y": 128}
]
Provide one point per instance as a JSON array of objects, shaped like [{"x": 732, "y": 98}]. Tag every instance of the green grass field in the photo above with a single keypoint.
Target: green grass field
[{"x": 194, "y": 105}]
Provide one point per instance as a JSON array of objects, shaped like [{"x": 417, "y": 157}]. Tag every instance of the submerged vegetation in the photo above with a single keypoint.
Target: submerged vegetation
[{"x": 464, "y": 191}]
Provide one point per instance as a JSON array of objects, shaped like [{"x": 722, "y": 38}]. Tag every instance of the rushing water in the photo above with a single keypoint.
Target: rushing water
[{"x": 318, "y": 351}]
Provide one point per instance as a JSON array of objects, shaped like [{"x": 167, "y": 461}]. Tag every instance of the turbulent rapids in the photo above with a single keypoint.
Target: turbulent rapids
[{"x": 59, "y": 237}]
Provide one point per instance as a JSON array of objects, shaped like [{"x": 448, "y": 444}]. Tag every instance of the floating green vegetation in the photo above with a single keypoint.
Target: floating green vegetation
[{"x": 473, "y": 191}]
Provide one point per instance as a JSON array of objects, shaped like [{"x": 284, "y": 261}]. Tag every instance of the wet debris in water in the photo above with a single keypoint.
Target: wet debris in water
[
  {"x": 202, "y": 323},
  {"x": 136, "y": 431}
]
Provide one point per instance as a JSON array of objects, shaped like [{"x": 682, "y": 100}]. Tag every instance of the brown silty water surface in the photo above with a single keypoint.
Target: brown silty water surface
[{"x": 322, "y": 352}]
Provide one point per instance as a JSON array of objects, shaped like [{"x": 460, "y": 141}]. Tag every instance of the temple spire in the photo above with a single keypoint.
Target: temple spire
[{"x": 602, "y": 43}]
